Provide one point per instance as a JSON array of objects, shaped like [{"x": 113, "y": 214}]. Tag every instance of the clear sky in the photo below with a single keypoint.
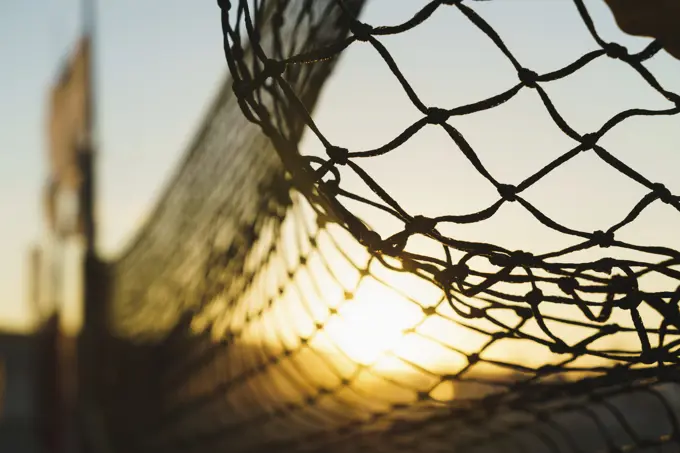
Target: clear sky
[{"x": 160, "y": 62}]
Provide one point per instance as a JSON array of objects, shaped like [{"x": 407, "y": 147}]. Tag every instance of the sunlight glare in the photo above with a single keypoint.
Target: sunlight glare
[{"x": 372, "y": 323}]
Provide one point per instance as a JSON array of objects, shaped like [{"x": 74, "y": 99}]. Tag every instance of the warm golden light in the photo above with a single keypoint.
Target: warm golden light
[{"x": 373, "y": 322}]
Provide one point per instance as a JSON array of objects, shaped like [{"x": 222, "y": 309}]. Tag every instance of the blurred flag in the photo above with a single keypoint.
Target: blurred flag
[{"x": 69, "y": 140}]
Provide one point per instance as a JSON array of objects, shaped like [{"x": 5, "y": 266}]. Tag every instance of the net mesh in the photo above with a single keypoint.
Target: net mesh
[{"x": 256, "y": 312}]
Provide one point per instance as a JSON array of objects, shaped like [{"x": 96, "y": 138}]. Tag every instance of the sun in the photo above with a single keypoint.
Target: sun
[{"x": 372, "y": 322}]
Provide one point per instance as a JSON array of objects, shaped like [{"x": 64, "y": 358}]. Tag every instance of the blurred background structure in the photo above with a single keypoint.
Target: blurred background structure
[{"x": 47, "y": 129}]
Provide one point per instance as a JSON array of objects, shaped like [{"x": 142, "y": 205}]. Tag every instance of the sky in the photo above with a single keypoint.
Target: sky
[{"x": 160, "y": 63}]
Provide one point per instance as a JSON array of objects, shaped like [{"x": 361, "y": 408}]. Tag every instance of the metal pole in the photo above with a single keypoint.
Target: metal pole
[
  {"x": 88, "y": 151},
  {"x": 94, "y": 293}
]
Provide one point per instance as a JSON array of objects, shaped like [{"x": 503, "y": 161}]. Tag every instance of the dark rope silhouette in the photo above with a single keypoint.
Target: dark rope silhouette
[{"x": 225, "y": 309}]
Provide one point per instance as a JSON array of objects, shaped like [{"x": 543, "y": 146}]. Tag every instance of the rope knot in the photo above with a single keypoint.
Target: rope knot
[
  {"x": 331, "y": 187},
  {"x": 476, "y": 313},
  {"x": 620, "y": 284},
  {"x": 605, "y": 265},
  {"x": 630, "y": 302},
  {"x": 534, "y": 297},
  {"x": 394, "y": 245},
  {"x": 338, "y": 155},
  {"x": 524, "y": 312},
  {"x": 274, "y": 68},
  {"x": 361, "y": 31},
  {"x": 528, "y": 77},
  {"x": 429, "y": 311},
  {"x": 663, "y": 193},
  {"x": 610, "y": 329},
  {"x": 436, "y": 115},
  {"x": 508, "y": 192},
  {"x": 421, "y": 225},
  {"x": 603, "y": 239},
  {"x": 589, "y": 140},
  {"x": 457, "y": 272},
  {"x": 371, "y": 240},
  {"x": 651, "y": 356},
  {"x": 616, "y": 51},
  {"x": 559, "y": 348},
  {"x": 522, "y": 258},
  {"x": 568, "y": 285}
]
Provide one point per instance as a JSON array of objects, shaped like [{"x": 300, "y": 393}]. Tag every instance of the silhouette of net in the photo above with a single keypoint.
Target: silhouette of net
[
  {"x": 551, "y": 281},
  {"x": 255, "y": 312}
]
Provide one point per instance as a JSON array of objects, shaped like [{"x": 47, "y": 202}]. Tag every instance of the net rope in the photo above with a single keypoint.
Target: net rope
[
  {"x": 244, "y": 316},
  {"x": 552, "y": 282}
]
